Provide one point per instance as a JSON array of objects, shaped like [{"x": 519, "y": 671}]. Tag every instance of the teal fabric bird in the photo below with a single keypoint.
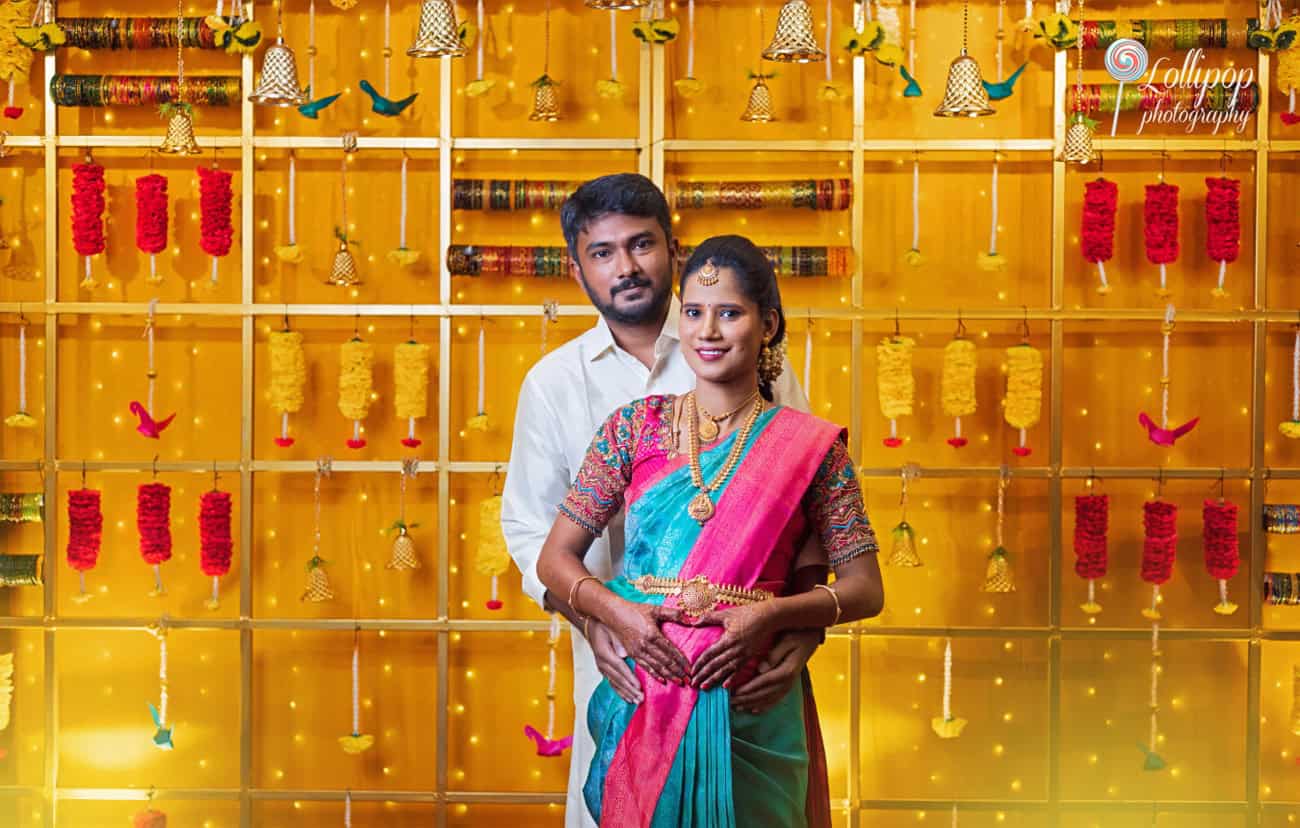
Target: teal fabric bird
[
  {"x": 1000, "y": 91},
  {"x": 312, "y": 109},
  {"x": 162, "y": 737},
  {"x": 913, "y": 89},
  {"x": 1153, "y": 761},
  {"x": 383, "y": 105}
]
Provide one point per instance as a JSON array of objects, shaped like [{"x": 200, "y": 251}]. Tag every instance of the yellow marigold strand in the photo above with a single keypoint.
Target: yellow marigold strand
[
  {"x": 1024, "y": 401},
  {"x": 411, "y": 377},
  {"x": 356, "y": 382},
  {"x": 894, "y": 382},
  {"x": 957, "y": 386}
]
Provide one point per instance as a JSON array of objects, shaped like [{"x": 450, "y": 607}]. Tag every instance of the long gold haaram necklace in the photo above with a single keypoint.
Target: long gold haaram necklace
[{"x": 701, "y": 506}]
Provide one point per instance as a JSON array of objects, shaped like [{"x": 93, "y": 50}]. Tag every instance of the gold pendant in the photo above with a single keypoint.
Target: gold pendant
[
  {"x": 700, "y": 508},
  {"x": 708, "y": 430}
]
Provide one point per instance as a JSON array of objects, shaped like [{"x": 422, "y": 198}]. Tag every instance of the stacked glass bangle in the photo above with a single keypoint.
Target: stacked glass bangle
[
  {"x": 475, "y": 260},
  {"x": 1172, "y": 34},
  {"x": 1281, "y": 518},
  {"x": 21, "y": 508},
  {"x": 134, "y": 33},
  {"x": 811, "y": 194},
  {"x": 143, "y": 90},
  {"x": 498, "y": 194},
  {"x": 1091, "y": 98}
]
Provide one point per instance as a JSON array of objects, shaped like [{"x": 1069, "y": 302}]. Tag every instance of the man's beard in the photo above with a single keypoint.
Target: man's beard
[{"x": 649, "y": 312}]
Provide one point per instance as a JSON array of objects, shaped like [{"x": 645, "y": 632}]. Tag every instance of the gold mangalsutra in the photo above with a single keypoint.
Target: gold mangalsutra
[
  {"x": 707, "y": 275},
  {"x": 701, "y": 506},
  {"x": 710, "y": 424}
]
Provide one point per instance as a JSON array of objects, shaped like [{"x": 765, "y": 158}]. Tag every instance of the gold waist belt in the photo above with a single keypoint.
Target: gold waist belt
[{"x": 699, "y": 595}]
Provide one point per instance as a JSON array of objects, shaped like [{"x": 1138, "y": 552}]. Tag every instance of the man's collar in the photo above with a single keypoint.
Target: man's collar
[{"x": 601, "y": 338}]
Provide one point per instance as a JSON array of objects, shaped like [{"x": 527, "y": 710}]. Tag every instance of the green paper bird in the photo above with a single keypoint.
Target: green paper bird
[
  {"x": 384, "y": 106},
  {"x": 312, "y": 109},
  {"x": 1153, "y": 761},
  {"x": 913, "y": 89},
  {"x": 1001, "y": 91},
  {"x": 162, "y": 737}
]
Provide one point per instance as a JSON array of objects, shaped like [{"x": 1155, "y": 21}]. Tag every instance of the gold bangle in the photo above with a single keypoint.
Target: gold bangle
[
  {"x": 573, "y": 592},
  {"x": 834, "y": 598},
  {"x": 586, "y": 622}
]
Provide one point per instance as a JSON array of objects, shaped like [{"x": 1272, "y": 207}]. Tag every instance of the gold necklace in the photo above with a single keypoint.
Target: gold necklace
[
  {"x": 701, "y": 506},
  {"x": 710, "y": 425}
]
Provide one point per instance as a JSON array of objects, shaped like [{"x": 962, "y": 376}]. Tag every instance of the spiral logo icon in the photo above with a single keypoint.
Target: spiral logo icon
[{"x": 1126, "y": 60}]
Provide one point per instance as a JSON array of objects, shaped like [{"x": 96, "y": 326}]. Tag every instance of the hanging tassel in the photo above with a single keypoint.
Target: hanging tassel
[
  {"x": 957, "y": 383},
  {"x": 904, "y": 551},
  {"x": 911, "y": 34},
  {"x": 215, "y": 540},
  {"x": 1160, "y": 229},
  {"x": 151, "y": 219},
  {"x": 998, "y": 576},
  {"x": 403, "y": 556},
  {"x": 1291, "y": 428},
  {"x": 479, "y": 422},
  {"x": 1154, "y": 761},
  {"x": 88, "y": 214},
  {"x": 1163, "y": 435},
  {"x": 1222, "y": 555},
  {"x": 913, "y": 255},
  {"x": 148, "y": 426},
  {"x": 807, "y": 361},
  {"x": 491, "y": 558},
  {"x": 357, "y": 742},
  {"x": 830, "y": 91},
  {"x": 6, "y": 689},
  {"x": 690, "y": 86},
  {"x": 356, "y": 384},
  {"x": 480, "y": 85},
  {"x": 1091, "y": 528},
  {"x": 1295, "y": 700},
  {"x": 1222, "y": 225},
  {"x": 992, "y": 260},
  {"x": 21, "y": 418},
  {"x": 1159, "y": 548},
  {"x": 288, "y": 379},
  {"x": 291, "y": 253},
  {"x": 1288, "y": 78},
  {"x": 1098, "y": 233},
  {"x": 1023, "y": 405},
  {"x": 403, "y": 256},
  {"x": 347, "y": 809},
  {"x": 611, "y": 88},
  {"x": 153, "y": 522},
  {"x": 548, "y": 745},
  {"x": 215, "y": 206},
  {"x": 318, "y": 582},
  {"x": 85, "y": 534},
  {"x": 895, "y": 383},
  {"x": 947, "y": 726},
  {"x": 162, "y": 737},
  {"x": 411, "y": 378}
]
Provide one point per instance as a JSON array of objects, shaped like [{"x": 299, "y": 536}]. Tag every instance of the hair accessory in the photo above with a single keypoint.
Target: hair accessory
[{"x": 707, "y": 275}]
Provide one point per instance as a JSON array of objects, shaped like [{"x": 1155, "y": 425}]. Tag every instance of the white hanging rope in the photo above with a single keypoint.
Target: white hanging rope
[
  {"x": 1001, "y": 36},
  {"x": 916, "y": 203},
  {"x": 911, "y": 36},
  {"x": 356, "y": 685},
  {"x": 481, "y": 357},
  {"x": 1164, "y": 375},
  {"x": 293, "y": 197},
  {"x": 807, "y": 361},
  {"x": 22, "y": 367},
  {"x": 401, "y": 224},
  {"x": 1003, "y": 482},
  {"x": 311, "y": 47},
  {"x": 829, "y": 52},
  {"x": 149, "y": 336},
  {"x": 993, "y": 226},
  {"x": 388, "y": 46},
  {"x": 690, "y": 38},
  {"x": 1155, "y": 683},
  {"x": 552, "y": 640},
  {"x": 481, "y": 33},
  {"x": 347, "y": 810},
  {"x": 613, "y": 45},
  {"x": 1295, "y": 376},
  {"x": 947, "y": 680}
]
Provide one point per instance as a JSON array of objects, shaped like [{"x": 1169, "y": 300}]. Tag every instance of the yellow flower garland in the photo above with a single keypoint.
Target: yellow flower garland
[
  {"x": 1288, "y": 70},
  {"x": 1024, "y": 402},
  {"x": 288, "y": 372},
  {"x": 491, "y": 557},
  {"x": 958, "y": 381},
  {"x": 411, "y": 376},
  {"x": 894, "y": 376},
  {"x": 15, "y": 58},
  {"x": 356, "y": 378}
]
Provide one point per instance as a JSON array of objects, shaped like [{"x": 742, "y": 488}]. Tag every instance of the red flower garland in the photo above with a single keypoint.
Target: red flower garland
[
  {"x": 215, "y": 198},
  {"x": 1160, "y": 228},
  {"x": 1160, "y": 544},
  {"x": 85, "y": 529},
  {"x": 153, "y": 507},
  {"x": 1091, "y": 523},
  {"x": 1222, "y": 219},
  {"x": 88, "y": 208},
  {"x": 1219, "y": 533},
  {"x": 214, "y": 533},
  {"x": 151, "y": 213},
  {"x": 1099, "y": 199}
]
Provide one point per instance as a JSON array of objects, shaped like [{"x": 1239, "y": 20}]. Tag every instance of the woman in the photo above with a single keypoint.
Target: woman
[{"x": 719, "y": 506}]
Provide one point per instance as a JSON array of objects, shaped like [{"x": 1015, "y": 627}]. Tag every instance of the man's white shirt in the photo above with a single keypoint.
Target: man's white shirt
[{"x": 565, "y": 397}]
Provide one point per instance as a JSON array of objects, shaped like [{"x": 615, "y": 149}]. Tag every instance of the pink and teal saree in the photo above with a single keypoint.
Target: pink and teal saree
[{"x": 683, "y": 757}]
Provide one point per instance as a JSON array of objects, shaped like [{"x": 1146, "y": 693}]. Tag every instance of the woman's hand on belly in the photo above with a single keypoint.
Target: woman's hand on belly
[
  {"x": 637, "y": 627},
  {"x": 747, "y": 630},
  {"x": 610, "y": 657}
]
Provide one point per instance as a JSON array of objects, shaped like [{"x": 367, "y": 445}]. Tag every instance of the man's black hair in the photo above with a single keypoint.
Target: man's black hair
[{"x": 627, "y": 194}]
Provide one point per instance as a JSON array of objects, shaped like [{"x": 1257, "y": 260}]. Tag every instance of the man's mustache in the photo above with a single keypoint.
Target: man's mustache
[{"x": 629, "y": 284}]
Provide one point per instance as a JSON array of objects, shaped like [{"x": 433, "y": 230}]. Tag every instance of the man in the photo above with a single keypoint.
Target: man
[{"x": 621, "y": 250}]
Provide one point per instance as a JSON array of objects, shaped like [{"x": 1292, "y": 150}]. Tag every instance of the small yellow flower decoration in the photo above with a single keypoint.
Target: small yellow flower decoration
[
  {"x": 357, "y": 743},
  {"x": 345, "y": 5},
  {"x": 831, "y": 92},
  {"x": 991, "y": 262},
  {"x": 661, "y": 30},
  {"x": 479, "y": 88},
  {"x": 611, "y": 89},
  {"x": 890, "y": 54},
  {"x": 288, "y": 253},
  {"x": 857, "y": 43},
  {"x": 1058, "y": 30},
  {"x": 689, "y": 87}
]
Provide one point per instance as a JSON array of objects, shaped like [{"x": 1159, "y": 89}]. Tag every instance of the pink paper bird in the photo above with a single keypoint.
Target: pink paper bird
[
  {"x": 547, "y": 747},
  {"x": 1164, "y": 436},
  {"x": 149, "y": 427}
]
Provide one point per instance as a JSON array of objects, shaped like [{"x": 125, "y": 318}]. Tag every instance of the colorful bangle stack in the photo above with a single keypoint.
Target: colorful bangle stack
[
  {"x": 20, "y": 570},
  {"x": 26, "y": 507},
  {"x": 1100, "y": 97},
  {"x": 1169, "y": 35},
  {"x": 136, "y": 33},
  {"x": 475, "y": 260},
  {"x": 1280, "y": 588},
  {"x": 497, "y": 194},
  {"x": 1281, "y": 518},
  {"x": 143, "y": 90},
  {"x": 811, "y": 194}
]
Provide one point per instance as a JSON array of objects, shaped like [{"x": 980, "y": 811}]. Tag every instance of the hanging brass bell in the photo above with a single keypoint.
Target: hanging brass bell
[
  {"x": 1078, "y": 144},
  {"x": 546, "y": 103},
  {"x": 793, "y": 41},
  {"x": 343, "y": 273},
  {"x": 759, "y": 108},
  {"x": 278, "y": 85},
  {"x": 180, "y": 135},
  {"x": 438, "y": 34},
  {"x": 965, "y": 95}
]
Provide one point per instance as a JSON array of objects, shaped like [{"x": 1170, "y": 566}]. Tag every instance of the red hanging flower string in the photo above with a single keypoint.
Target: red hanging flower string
[
  {"x": 151, "y": 218},
  {"x": 1098, "y": 233},
  {"x": 85, "y": 533},
  {"x": 88, "y": 213},
  {"x": 1222, "y": 224},
  {"x": 1159, "y": 547},
  {"x": 153, "y": 521},
  {"x": 215, "y": 542},
  {"x": 1091, "y": 525},
  {"x": 215, "y": 200},
  {"x": 1160, "y": 228},
  {"x": 1222, "y": 552}
]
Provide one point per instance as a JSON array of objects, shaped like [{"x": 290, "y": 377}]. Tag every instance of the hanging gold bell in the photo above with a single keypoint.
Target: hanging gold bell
[
  {"x": 278, "y": 85},
  {"x": 1078, "y": 144},
  {"x": 343, "y": 273},
  {"x": 965, "y": 95},
  {"x": 546, "y": 104},
  {"x": 793, "y": 41},
  {"x": 180, "y": 135},
  {"x": 438, "y": 34},
  {"x": 759, "y": 108},
  {"x": 616, "y": 5}
]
